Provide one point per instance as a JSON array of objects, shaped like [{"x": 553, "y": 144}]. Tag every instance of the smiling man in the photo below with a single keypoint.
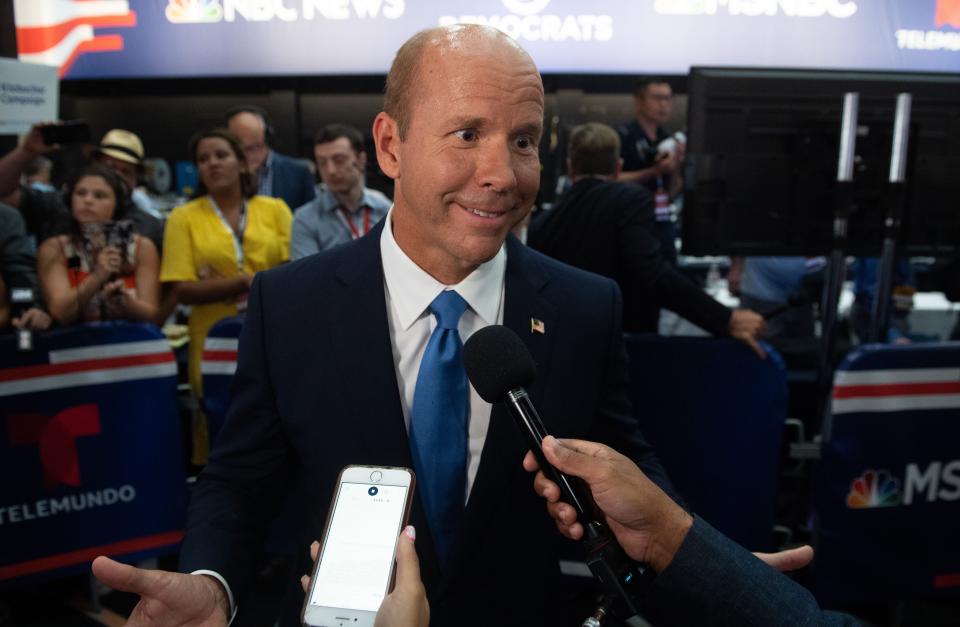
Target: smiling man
[{"x": 342, "y": 352}]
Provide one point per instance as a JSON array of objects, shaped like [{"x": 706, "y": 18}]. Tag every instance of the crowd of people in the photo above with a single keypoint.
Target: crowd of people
[
  {"x": 99, "y": 239},
  {"x": 97, "y": 249}
]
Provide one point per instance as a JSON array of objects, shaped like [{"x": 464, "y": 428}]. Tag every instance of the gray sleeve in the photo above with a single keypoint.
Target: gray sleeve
[
  {"x": 714, "y": 581},
  {"x": 303, "y": 235}
]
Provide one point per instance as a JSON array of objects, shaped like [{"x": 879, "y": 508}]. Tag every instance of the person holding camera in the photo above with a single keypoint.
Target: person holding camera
[
  {"x": 100, "y": 269},
  {"x": 43, "y": 209},
  {"x": 652, "y": 157}
]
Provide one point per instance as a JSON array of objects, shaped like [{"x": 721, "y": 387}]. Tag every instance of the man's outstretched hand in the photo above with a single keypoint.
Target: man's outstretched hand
[{"x": 167, "y": 599}]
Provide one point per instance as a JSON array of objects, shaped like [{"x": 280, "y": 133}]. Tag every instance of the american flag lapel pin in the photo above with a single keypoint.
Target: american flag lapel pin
[{"x": 537, "y": 326}]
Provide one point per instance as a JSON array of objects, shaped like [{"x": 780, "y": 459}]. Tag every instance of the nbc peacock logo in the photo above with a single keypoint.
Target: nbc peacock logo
[
  {"x": 874, "y": 488},
  {"x": 194, "y": 11}
]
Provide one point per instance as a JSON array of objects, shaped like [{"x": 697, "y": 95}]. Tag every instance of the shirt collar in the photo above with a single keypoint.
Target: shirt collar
[
  {"x": 267, "y": 164},
  {"x": 412, "y": 289},
  {"x": 328, "y": 202}
]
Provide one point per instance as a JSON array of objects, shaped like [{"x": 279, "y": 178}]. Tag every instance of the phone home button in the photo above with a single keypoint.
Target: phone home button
[{"x": 376, "y": 476}]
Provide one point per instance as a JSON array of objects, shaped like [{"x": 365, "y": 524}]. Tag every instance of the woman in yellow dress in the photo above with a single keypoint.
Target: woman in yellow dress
[{"x": 214, "y": 244}]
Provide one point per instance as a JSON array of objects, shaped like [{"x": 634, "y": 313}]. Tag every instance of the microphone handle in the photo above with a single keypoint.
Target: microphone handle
[
  {"x": 529, "y": 420},
  {"x": 621, "y": 577}
]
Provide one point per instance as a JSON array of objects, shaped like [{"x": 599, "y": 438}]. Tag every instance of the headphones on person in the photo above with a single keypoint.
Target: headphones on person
[{"x": 261, "y": 113}]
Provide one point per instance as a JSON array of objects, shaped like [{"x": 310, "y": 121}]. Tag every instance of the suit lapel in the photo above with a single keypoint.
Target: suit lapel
[
  {"x": 504, "y": 447},
  {"x": 364, "y": 353}
]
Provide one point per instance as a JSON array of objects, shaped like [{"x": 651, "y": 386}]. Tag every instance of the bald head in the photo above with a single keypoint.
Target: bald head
[
  {"x": 464, "y": 39},
  {"x": 251, "y": 129}
]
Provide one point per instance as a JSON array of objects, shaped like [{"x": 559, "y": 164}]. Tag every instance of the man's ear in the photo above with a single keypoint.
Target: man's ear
[{"x": 386, "y": 137}]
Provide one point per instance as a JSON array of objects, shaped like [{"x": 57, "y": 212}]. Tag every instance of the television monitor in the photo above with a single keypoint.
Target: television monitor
[{"x": 763, "y": 148}]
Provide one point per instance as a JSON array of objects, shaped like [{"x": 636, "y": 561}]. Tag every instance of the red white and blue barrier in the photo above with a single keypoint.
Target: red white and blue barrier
[
  {"x": 90, "y": 448},
  {"x": 887, "y": 489}
]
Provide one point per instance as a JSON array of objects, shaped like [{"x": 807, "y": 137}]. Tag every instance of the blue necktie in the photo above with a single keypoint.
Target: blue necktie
[{"x": 438, "y": 424}]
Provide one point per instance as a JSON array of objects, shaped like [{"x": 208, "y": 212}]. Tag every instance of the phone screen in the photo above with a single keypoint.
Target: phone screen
[{"x": 357, "y": 557}]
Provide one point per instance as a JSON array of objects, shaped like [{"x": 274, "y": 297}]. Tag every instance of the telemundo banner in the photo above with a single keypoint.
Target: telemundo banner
[
  {"x": 195, "y": 38},
  {"x": 91, "y": 447}
]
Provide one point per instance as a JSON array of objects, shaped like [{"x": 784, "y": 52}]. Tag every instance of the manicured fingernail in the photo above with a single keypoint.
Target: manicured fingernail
[{"x": 410, "y": 532}]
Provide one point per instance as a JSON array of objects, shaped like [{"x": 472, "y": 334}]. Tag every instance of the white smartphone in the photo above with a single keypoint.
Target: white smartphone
[{"x": 354, "y": 568}]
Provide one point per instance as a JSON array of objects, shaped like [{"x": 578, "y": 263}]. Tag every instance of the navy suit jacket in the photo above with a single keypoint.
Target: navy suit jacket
[
  {"x": 292, "y": 181},
  {"x": 714, "y": 581},
  {"x": 316, "y": 390}
]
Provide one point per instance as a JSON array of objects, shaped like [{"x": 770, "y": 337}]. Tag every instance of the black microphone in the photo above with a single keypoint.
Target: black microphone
[{"x": 499, "y": 367}]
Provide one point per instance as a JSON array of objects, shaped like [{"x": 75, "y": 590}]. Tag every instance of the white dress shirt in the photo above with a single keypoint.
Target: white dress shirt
[{"x": 409, "y": 292}]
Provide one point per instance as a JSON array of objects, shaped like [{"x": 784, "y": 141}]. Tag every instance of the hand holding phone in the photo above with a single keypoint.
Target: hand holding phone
[
  {"x": 406, "y": 605},
  {"x": 355, "y": 558},
  {"x": 69, "y": 132}
]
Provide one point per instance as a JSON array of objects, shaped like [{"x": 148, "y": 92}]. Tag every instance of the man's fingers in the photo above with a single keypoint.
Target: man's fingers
[
  {"x": 562, "y": 512},
  {"x": 408, "y": 564},
  {"x": 305, "y": 583},
  {"x": 573, "y": 532},
  {"x": 546, "y": 488},
  {"x": 530, "y": 463},
  {"x": 124, "y": 577},
  {"x": 314, "y": 550},
  {"x": 754, "y": 346},
  {"x": 575, "y": 457},
  {"x": 791, "y": 559}
]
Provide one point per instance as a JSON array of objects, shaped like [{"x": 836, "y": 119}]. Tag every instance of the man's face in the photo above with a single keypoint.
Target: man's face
[
  {"x": 468, "y": 169},
  {"x": 129, "y": 172},
  {"x": 253, "y": 137},
  {"x": 340, "y": 167},
  {"x": 655, "y": 103}
]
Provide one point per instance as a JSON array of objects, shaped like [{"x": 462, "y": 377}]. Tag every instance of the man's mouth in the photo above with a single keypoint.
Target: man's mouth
[{"x": 484, "y": 214}]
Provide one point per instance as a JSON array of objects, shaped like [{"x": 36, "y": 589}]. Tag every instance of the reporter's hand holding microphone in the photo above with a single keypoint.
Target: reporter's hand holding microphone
[{"x": 647, "y": 523}]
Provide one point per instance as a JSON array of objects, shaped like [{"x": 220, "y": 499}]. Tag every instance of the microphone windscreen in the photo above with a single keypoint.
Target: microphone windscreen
[{"x": 497, "y": 361}]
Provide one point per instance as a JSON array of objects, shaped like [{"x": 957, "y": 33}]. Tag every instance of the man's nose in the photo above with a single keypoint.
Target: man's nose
[{"x": 495, "y": 167}]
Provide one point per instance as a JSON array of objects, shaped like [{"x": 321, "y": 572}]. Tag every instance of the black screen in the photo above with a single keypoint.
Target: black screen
[{"x": 763, "y": 152}]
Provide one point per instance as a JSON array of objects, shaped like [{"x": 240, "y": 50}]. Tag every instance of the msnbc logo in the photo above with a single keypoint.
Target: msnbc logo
[
  {"x": 194, "y": 11},
  {"x": 874, "y": 488},
  {"x": 935, "y": 481}
]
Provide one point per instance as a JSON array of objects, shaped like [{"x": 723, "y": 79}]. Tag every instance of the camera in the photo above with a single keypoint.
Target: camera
[{"x": 22, "y": 299}]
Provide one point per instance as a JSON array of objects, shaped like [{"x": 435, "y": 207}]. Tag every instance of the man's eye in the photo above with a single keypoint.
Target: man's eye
[
  {"x": 524, "y": 142},
  {"x": 467, "y": 135}
]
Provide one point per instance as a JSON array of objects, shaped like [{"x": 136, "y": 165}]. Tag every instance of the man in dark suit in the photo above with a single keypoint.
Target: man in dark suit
[
  {"x": 332, "y": 347},
  {"x": 336, "y": 346},
  {"x": 606, "y": 226},
  {"x": 278, "y": 175}
]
